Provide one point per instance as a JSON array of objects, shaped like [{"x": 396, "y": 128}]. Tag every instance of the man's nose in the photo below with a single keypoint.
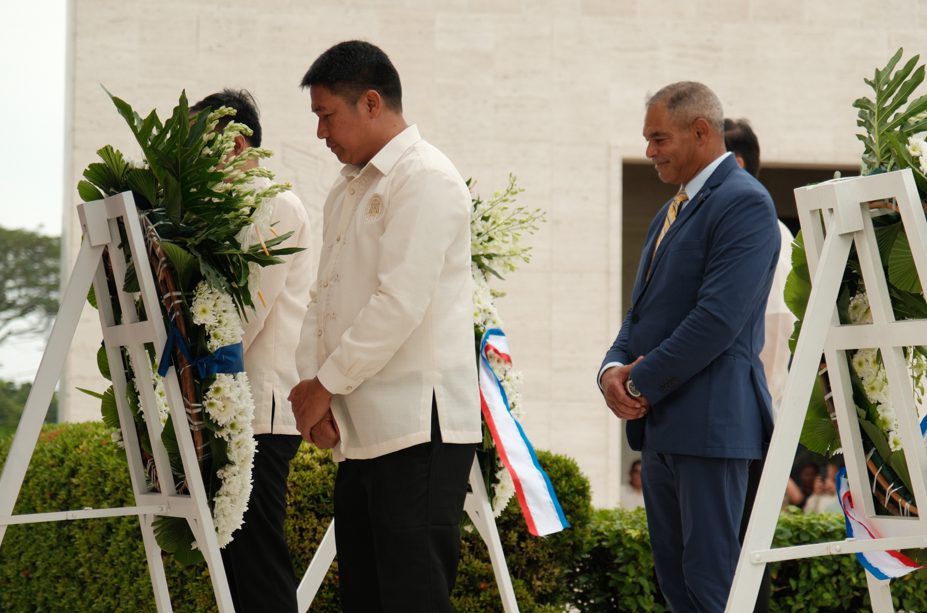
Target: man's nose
[
  {"x": 322, "y": 130},
  {"x": 651, "y": 150}
]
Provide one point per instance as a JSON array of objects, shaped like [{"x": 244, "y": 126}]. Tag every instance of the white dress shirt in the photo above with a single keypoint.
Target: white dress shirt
[
  {"x": 391, "y": 317},
  {"x": 780, "y": 323},
  {"x": 270, "y": 334}
]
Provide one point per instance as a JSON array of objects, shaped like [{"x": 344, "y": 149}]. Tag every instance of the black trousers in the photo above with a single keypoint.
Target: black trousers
[
  {"x": 257, "y": 561},
  {"x": 753, "y": 483},
  {"x": 397, "y": 527}
]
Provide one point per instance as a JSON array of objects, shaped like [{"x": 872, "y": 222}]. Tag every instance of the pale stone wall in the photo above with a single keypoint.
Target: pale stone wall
[{"x": 550, "y": 90}]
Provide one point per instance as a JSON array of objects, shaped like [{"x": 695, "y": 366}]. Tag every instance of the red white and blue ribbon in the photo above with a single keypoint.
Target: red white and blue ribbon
[
  {"x": 881, "y": 564},
  {"x": 532, "y": 486}
]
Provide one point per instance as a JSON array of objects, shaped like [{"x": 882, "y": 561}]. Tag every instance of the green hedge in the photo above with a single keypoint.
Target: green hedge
[
  {"x": 617, "y": 572},
  {"x": 99, "y": 565},
  {"x": 601, "y": 563}
]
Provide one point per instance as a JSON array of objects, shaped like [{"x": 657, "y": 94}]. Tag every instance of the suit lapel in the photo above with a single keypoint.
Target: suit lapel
[{"x": 692, "y": 206}]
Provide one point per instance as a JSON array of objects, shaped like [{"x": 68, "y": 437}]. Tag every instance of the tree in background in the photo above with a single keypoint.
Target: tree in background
[
  {"x": 12, "y": 400},
  {"x": 30, "y": 273}
]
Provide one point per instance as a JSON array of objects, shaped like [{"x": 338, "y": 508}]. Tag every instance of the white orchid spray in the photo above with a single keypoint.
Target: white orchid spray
[{"x": 495, "y": 245}]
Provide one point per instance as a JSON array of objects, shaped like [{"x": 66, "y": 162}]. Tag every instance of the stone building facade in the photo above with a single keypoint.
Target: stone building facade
[{"x": 551, "y": 90}]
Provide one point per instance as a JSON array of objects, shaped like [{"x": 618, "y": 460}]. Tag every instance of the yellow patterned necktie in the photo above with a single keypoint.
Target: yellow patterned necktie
[{"x": 678, "y": 201}]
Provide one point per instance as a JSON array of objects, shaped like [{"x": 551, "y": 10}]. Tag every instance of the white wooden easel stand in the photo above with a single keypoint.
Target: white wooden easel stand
[
  {"x": 843, "y": 205},
  {"x": 100, "y": 229},
  {"x": 477, "y": 507}
]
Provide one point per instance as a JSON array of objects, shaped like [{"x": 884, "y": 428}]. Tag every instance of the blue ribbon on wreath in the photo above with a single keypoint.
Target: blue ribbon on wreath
[{"x": 225, "y": 360}]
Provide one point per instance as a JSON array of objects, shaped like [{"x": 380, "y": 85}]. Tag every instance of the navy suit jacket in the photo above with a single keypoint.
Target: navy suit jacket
[{"x": 698, "y": 320}]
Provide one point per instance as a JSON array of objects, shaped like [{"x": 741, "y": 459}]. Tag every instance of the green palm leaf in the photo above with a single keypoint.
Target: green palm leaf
[
  {"x": 901, "y": 270},
  {"x": 884, "y": 116},
  {"x": 820, "y": 436},
  {"x": 796, "y": 294},
  {"x": 174, "y": 535}
]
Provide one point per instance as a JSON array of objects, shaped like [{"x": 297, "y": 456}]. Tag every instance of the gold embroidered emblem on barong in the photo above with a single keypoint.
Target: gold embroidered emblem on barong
[{"x": 374, "y": 208}]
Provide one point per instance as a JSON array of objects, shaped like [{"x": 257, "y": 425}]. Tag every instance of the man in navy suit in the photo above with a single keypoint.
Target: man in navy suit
[{"x": 685, "y": 369}]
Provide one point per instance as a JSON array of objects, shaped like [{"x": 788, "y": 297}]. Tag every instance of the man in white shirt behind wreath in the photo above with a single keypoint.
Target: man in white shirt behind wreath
[
  {"x": 386, "y": 352},
  {"x": 257, "y": 562}
]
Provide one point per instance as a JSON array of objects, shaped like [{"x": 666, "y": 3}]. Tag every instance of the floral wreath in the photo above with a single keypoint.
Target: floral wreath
[{"x": 208, "y": 234}]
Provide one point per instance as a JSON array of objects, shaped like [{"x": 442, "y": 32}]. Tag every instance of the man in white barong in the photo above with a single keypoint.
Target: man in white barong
[{"x": 386, "y": 352}]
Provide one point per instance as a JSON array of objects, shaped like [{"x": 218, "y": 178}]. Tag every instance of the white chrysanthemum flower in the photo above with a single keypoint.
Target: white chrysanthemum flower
[
  {"x": 216, "y": 311},
  {"x": 221, "y": 387},
  {"x": 885, "y": 423},
  {"x": 894, "y": 441},
  {"x": 157, "y": 383},
  {"x": 503, "y": 490},
  {"x": 859, "y": 363},
  {"x": 859, "y": 310},
  {"x": 204, "y": 313}
]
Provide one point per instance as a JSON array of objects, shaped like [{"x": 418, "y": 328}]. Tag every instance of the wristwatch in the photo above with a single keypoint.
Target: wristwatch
[{"x": 632, "y": 389}]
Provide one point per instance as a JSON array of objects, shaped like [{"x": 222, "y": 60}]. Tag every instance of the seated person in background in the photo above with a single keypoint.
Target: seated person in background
[
  {"x": 793, "y": 495},
  {"x": 809, "y": 473},
  {"x": 824, "y": 498},
  {"x": 632, "y": 494}
]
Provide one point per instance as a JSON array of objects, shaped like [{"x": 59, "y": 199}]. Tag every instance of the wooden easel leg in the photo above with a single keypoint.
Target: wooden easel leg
[
  {"x": 318, "y": 568},
  {"x": 43, "y": 387},
  {"x": 155, "y": 565},
  {"x": 880, "y": 595},
  {"x": 479, "y": 509}
]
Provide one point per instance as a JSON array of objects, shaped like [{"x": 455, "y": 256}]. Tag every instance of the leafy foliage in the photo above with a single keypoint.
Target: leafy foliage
[
  {"x": 617, "y": 572},
  {"x": 541, "y": 569},
  {"x": 893, "y": 141},
  {"x": 30, "y": 274},
  {"x": 198, "y": 200},
  {"x": 56, "y": 566},
  {"x": 198, "y": 197},
  {"x": 12, "y": 402},
  {"x": 887, "y": 125}
]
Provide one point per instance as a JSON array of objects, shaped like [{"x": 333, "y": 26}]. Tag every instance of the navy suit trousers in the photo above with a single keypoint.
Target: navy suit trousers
[{"x": 694, "y": 508}]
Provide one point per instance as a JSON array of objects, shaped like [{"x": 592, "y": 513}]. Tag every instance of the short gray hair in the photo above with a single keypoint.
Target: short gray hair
[{"x": 686, "y": 101}]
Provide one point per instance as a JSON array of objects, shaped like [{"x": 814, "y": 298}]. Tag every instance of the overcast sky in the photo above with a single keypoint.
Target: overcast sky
[{"x": 32, "y": 61}]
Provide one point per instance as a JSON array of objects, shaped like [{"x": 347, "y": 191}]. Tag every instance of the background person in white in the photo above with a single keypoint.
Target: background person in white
[
  {"x": 386, "y": 350},
  {"x": 740, "y": 140},
  {"x": 257, "y": 562}
]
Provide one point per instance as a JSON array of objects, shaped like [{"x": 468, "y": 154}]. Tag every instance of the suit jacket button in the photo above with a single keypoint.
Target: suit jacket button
[{"x": 635, "y": 318}]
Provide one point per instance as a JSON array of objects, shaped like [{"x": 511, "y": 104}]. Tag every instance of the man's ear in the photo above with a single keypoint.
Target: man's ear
[
  {"x": 371, "y": 103},
  {"x": 240, "y": 145},
  {"x": 701, "y": 129},
  {"x": 740, "y": 160}
]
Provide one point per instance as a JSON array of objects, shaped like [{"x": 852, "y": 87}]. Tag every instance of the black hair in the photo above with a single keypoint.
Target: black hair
[
  {"x": 740, "y": 139},
  {"x": 353, "y": 67},
  {"x": 246, "y": 108}
]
